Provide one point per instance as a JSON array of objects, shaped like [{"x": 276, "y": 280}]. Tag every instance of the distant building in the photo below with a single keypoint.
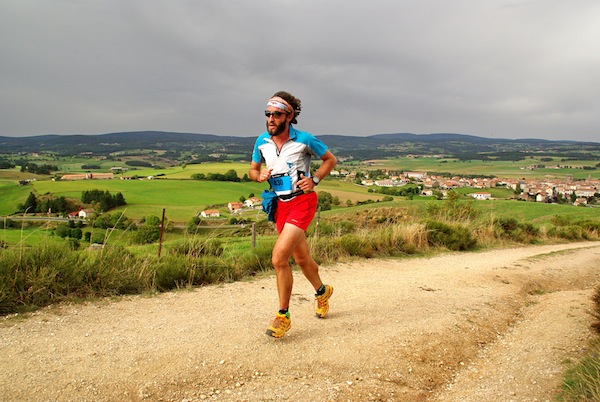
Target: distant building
[
  {"x": 88, "y": 176},
  {"x": 210, "y": 213},
  {"x": 252, "y": 202},
  {"x": 235, "y": 206},
  {"x": 416, "y": 175},
  {"x": 481, "y": 196},
  {"x": 85, "y": 213}
]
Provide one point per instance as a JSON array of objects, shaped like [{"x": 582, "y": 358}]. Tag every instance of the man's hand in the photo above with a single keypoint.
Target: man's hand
[
  {"x": 264, "y": 175},
  {"x": 306, "y": 184}
]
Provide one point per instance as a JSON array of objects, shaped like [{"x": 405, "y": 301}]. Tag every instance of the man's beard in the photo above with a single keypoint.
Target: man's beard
[{"x": 278, "y": 130}]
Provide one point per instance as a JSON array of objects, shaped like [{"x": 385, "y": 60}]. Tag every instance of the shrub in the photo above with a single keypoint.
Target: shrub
[
  {"x": 571, "y": 232},
  {"x": 591, "y": 227},
  {"x": 259, "y": 260},
  {"x": 333, "y": 228},
  {"x": 582, "y": 230},
  {"x": 510, "y": 228},
  {"x": 353, "y": 245},
  {"x": 453, "y": 237},
  {"x": 200, "y": 247},
  {"x": 146, "y": 234},
  {"x": 507, "y": 224},
  {"x": 561, "y": 220},
  {"x": 7, "y": 223},
  {"x": 452, "y": 209},
  {"x": 40, "y": 276},
  {"x": 115, "y": 271},
  {"x": 171, "y": 272}
]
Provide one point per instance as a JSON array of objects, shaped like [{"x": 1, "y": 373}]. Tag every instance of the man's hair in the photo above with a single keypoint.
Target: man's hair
[{"x": 293, "y": 101}]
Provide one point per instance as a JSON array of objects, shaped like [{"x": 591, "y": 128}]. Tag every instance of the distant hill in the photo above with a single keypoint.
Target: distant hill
[{"x": 380, "y": 145}]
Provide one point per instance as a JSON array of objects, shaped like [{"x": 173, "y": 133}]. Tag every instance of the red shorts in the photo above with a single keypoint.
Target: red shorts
[{"x": 298, "y": 211}]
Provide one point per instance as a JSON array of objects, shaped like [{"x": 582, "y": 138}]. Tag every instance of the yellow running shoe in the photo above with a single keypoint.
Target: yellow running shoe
[
  {"x": 322, "y": 302},
  {"x": 280, "y": 325}
]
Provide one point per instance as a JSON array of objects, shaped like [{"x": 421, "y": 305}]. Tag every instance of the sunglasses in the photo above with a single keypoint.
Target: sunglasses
[{"x": 274, "y": 114}]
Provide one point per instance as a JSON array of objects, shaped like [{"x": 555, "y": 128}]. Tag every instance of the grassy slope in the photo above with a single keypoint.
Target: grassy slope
[
  {"x": 182, "y": 199},
  {"x": 502, "y": 169}
]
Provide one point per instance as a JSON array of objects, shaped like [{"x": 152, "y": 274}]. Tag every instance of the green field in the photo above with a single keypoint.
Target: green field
[
  {"x": 182, "y": 197},
  {"x": 537, "y": 213},
  {"x": 186, "y": 171},
  {"x": 501, "y": 169}
]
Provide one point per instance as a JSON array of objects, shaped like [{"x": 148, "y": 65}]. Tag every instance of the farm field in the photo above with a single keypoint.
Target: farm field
[
  {"x": 538, "y": 213},
  {"x": 182, "y": 199},
  {"x": 186, "y": 171},
  {"x": 501, "y": 169}
]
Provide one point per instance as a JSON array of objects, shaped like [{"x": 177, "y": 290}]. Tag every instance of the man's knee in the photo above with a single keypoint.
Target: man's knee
[{"x": 279, "y": 262}]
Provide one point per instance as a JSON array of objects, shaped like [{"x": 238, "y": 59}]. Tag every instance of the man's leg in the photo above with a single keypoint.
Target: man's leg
[
  {"x": 311, "y": 272},
  {"x": 309, "y": 267},
  {"x": 288, "y": 240}
]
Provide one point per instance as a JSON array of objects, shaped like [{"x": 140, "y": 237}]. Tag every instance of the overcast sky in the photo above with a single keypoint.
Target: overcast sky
[{"x": 491, "y": 68}]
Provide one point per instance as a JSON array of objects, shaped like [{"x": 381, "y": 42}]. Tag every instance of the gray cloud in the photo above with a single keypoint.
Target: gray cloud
[{"x": 508, "y": 69}]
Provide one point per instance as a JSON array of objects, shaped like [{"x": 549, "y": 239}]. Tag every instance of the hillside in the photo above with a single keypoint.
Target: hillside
[
  {"x": 496, "y": 325},
  {"x": 374, "y": 146}
]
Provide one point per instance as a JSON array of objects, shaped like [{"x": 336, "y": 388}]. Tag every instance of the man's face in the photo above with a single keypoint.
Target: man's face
[{"x": 276, "y": 124}]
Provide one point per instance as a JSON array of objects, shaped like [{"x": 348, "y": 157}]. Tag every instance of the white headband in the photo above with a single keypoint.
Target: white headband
[{"x": 280, "y": 103}]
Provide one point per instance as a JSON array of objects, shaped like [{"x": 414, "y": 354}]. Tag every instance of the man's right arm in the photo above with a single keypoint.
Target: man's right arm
[{"x": 254, "y": 172}]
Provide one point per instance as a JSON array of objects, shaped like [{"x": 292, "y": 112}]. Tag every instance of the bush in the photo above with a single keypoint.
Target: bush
[
  {"x": 353, "y": 245},
  {"x": 171, "y": 273},
  {"x": 7, "y": 223},
  {"x": 453, "y": 237},
  {"x": 582, "y": 230},
  {"x": 116, "y": 271},
  {"x": 200, "y": 247},
  {"x": 41, "y": 276},
  {"x": 571, "y": 232},
  {"x": 591, "y": 227},
  {"x": 452, "y": 209},
  {"x": 146, "y": 234},
  {"x": 512, "y": 229}
]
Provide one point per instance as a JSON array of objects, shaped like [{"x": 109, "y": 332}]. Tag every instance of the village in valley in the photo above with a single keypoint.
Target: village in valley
[
  {"x": 545, "y": 190},
  {"x": 576, "y": 192}
]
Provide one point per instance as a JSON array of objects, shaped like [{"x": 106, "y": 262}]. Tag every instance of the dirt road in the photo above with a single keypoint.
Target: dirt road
[{"x": 495, "y": 325}]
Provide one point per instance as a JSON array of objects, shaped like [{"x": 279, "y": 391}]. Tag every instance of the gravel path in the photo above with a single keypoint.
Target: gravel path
[{"x": 495, "y": 325}]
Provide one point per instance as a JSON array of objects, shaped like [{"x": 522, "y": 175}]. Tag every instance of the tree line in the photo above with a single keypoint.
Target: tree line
[
  {"x": 104, "y": 199},
  {"x": 230, "y": 175}
]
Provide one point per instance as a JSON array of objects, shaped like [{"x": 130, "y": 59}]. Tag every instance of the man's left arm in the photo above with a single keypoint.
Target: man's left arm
[{"x": 329, "y": 162}]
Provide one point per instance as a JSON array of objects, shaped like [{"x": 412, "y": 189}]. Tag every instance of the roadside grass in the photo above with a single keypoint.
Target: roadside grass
[{"x": 582, "y": 380}]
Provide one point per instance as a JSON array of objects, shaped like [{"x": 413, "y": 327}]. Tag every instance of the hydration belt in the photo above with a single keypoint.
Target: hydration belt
[{"x": 292, "y": 195}]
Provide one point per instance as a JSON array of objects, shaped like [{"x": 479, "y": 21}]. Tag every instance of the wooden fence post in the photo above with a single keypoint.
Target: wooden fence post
[{"x": 162, "y": 228}]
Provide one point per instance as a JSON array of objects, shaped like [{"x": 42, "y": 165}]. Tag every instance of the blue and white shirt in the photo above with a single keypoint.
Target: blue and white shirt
[{"x": 288, "y": 163}]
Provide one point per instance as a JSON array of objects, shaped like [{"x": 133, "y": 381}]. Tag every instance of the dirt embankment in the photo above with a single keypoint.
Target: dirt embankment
[{"x": 494, "y": 325}]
